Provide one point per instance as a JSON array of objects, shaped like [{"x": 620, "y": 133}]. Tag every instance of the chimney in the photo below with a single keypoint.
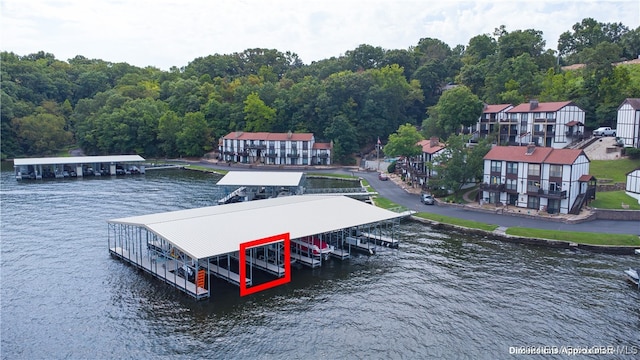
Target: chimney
[
  {"x": 533, "y": 104},
  {"x": 238, "y": 134},
  {"x": 531, "y": 148},
  {"x": 289, "y": 134},
  {"x": 434, "y": 141}
]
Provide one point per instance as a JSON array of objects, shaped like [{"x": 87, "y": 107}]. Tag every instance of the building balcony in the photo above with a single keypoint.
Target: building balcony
[
  {"x": 550, "y": 194},
  {"x": 293, "y": 155},
  {"x": 271, "y": 155},
  {"x": 257, "y": 146},
  {"x": 323, "y": 156},
  {"x": 492, "y": 187}
]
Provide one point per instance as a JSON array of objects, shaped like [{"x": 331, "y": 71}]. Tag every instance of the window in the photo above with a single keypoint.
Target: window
[
  {"x": 511, "y": 184},
  {"x": 512, "y": 168},
  {"x": 551, "y": 115},
  {"x": 533, "y": 170},
  {"x": 533, "y": 202},
  {"x": 495, "y": 180},
  {"x": 496, "y": 166},
  {"x": 555, "y": 171}
]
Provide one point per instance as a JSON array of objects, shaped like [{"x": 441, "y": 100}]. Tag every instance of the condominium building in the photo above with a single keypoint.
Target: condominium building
[
  {"x": 549, "y": 124},
  {"x": 537, "y": 178},
  {"x": 628, "y": 123},
  {"x": 274, "y": 148}
]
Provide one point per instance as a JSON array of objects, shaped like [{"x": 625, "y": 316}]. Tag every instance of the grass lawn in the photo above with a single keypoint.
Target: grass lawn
[
  {"x": 455, "y": 221},
  {"x": 385, "y": 203},
  {"x": 614, "y": 170},
  {"x": 614, "y": 200},
  {"x": 206, "y": 169},
  {"x": 577, "y": 237}
]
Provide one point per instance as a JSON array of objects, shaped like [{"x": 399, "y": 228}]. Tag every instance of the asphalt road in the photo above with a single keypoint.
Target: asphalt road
[{"x": 389, "y": 190}]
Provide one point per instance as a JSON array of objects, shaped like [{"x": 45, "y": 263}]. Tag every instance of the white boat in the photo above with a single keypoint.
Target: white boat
[
  {"x": 632, "y": 276},
  {"x": 313, "y": 246}
]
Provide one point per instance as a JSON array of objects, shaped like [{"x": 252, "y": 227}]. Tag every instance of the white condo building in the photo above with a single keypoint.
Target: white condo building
[
  {"x": 274, "y": 148},
  {"x": 628, "y": 123},
  {"x": 549, "y": 124},
  {"x": 538, "y": 178}
]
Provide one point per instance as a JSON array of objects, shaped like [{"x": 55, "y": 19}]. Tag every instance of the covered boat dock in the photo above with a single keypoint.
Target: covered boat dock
[
  {"x": 77, "y": 166},
  {"x": 245, "y": 243},
  {"x": 255, "y": 185}
]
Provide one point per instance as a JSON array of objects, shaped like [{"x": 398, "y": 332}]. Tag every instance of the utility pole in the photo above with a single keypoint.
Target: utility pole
[{"x": 378, "y": 155}]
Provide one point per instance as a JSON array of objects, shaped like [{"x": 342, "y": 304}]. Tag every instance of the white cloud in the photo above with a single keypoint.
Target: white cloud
[{"x": 165, "y": 33}]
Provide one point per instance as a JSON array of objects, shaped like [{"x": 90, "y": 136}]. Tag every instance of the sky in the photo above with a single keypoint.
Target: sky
[{"x": 167, "y": 33}]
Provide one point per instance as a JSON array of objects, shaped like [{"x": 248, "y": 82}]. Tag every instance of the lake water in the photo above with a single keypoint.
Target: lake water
[{"x": 441, "y": 295}]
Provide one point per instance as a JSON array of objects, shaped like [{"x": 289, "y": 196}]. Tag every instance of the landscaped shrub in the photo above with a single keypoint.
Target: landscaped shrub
[
  {"x": 391, "y": 168},
  {"x": 633, "y": 153}
]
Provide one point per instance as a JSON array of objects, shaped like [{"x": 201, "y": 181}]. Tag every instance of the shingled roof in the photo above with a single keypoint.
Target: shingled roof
[{"x": 538, "y": 155}]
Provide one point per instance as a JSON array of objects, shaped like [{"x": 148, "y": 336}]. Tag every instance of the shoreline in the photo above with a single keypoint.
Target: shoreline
[
  {"x": 558, "y": 244},
  {"x": 500, "y": 235}
]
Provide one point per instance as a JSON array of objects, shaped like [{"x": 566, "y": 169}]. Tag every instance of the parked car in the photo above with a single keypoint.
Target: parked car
[
  {"x": 427, "y": 199},
  {"x": 604, "y": 131},
  {"x": 383, "y": 177}
]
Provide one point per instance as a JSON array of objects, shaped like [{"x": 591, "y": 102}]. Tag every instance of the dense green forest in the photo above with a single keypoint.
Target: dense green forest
[{"x": 49, "y": 105}]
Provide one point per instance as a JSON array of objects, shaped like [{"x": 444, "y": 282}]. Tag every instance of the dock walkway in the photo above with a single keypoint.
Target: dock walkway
[
  {"x": 226, "y": 274},
  {"x": 165, "y": 272},
  {"x": 381, "y": 239}
]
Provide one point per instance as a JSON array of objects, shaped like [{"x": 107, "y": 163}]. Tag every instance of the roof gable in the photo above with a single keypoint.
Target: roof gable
[
  {"x": 541, "y": 107},
  {"x": 323, "y": 146},
  {"x": 241, "y": 135},
  {"x": 539, "y": 155},
  {"x": 633, "y": 102},
  {"x": 430, "y": 147},
  {"x": 496, "y": 108}
]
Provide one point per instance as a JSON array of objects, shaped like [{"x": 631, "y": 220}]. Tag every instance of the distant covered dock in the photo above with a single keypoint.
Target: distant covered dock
[
  {"x": 251, "y": 244},
  {"x": 254, "y": 185},
  {"x": 77, "y": 166}
]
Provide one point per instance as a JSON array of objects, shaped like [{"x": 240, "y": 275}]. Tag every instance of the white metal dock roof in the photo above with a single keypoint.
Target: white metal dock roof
[
  {"x": 77, "y": 160},
  {"x": 261, "y": 178},
  {"x": 217, "y": 230}
]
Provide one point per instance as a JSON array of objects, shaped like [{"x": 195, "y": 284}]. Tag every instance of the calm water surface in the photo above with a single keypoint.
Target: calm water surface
[{"x": 441, "y": 295}]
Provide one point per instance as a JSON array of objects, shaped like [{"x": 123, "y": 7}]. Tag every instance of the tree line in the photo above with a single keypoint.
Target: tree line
[{"x": 49, "y": 105}]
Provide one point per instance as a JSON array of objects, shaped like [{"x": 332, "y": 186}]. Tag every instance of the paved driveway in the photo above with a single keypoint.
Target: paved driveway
[{"x": 391, "y": 191}]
